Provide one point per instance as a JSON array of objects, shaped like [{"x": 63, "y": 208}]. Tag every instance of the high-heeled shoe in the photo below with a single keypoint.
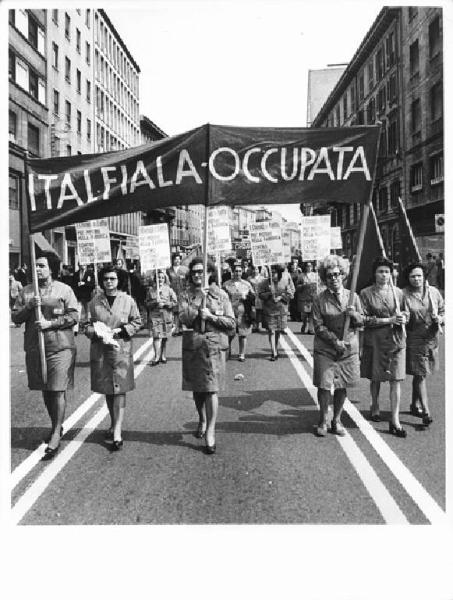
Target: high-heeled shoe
[
  {"x": 200, "y": 433},
  {"x": 49, "y": 453},
  {"x": 210, "y": 449},
  {"x": 163, "y": 360},
  {"x": 427, "y": 419},
  {"x": 415, "y": 410},
  {"x": 48, "y": 438},
  {"x": 398, "y": 431},
  {"x": 117, "y": 445}
]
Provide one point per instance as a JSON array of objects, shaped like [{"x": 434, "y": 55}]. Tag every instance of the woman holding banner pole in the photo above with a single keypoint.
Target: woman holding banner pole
[
  {"x": 276, "y": 295},
  {"x": 335, "y": 358},
  {"x": 160, "y": 302},
  {"x": 209, "y": 317},
  {"x": 114, "y": 319},
  {"x": 384, "y": 342},
  {"x": 426, "y": 316}
]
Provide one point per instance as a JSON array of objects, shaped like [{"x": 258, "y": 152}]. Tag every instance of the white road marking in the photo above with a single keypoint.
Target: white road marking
[
  {"x": 413, "y": 487},
  {"x": 387, "y": 506},
  {"x": 32, "y": 494},
  {"x": 33, "y": 459}
]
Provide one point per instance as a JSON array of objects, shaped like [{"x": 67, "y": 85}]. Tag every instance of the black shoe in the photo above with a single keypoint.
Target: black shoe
[
  {"x": 163, "y": 361},
  {"x": 117, "y": 445},
  {"x": 273, "y": 357},
  {"x": 399, "y": 432},
  {"x": 47, "y": 440},
  {"x": 376, "y": 417},
  {"x": 200, "y": 433},
  {"x": 427, "y": 419},
  {"x": 49, "y": 453},
  {"x": 415, "y": 410},
  {"x": 108, "y": 434},
  {"x": 210, "y": 449}
]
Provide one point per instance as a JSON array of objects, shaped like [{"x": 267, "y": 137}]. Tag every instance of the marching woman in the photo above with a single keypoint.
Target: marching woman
[
  {"x": 255, "y": 280},
  {"x": 335, "y": 361},
  {"x": 242, "y": 296},
  {"x": 114, "y": 320},
  {"x": 160, "y": 302},
  {"x": 384, "y": 341},
  {"x": 177, "y": 275},
  {"x": 276, "y": 297},
  {"x": 204, "y": 346},
  {"x": 426, "y": 315},
  {"x": 306, "y": 289}
]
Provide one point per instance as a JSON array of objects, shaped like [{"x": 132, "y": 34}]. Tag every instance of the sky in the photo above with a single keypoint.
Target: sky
[{"x": 236, "y": 62}]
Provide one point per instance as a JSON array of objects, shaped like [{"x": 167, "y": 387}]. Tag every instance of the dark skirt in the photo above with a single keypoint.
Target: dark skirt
[
  {"x": 60, "y": 370},
  {"x": 339, "y": 372}
]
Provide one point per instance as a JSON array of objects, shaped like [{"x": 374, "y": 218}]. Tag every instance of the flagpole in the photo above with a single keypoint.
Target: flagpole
[
  {"x": 205, "y": 224},
  {"x": 358, "y": 256},
  {"x": 34, "y": 275}
]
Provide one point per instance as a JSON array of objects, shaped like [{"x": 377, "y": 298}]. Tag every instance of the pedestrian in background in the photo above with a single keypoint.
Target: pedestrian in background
[
  {"x": 21, "y": 274},
  {"x": 160, "y": 301},
  {"x": 242, "y": 297},
  {"x": 426, "y": 315},
  {"x": 384, "y": 341},
  {"x": 335, "y": 360},
  {"x": 15, "y": 287},
  {"x": 204, "y": 346},
  {"x": 58, "y": 317},
  {"x": 306, "y": 289},
  {"x": 431, "y": 269},
  {"x": 276, "y": 296},
  {"x": 256, "y": 279},
  {"x": 177, "y": 275},
  {"x": 83, "y": 286},
  {"x": 295, "y": 271},
  {"x": 114, "y": 319}
]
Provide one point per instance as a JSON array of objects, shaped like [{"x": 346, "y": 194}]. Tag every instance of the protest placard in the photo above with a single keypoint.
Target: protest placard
[
  {"x": 154, "y": 247},
  {"x": 131, "y": 250},
  {"x": 315, "y": 235},
  {"x": 93, "y": 242},
  {"x": 266, "y": 243},
  {"x": 219, "y": 239},
  {"x": 335, "y": 238}
]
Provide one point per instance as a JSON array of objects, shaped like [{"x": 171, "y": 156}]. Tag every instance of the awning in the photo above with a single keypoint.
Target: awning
[{"x": 44, "y": 245}]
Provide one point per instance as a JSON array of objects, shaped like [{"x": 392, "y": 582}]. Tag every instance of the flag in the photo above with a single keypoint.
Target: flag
[
  {"x": 408, "y": 251},
  {"x": 210, "y": 165},
  {"x": 373, "y": 247}
]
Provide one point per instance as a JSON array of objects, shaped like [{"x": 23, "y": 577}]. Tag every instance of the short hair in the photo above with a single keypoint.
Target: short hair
[
  {"x": 381, "y": 261},
  {"x": 330, "y": 262},
  {"x": 111, "y": 269},
  {"x": 198, "y": 260},
  {"x": 410, "y": 267},
  {"x": 175, "y": 255},
  {"x": 279, "y": 270},
  {"x": 52, "y": 260}
]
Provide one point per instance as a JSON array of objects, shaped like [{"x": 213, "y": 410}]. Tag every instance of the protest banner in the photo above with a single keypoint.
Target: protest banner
[
  {"x": 336, "y": 242},
  {"x": 131, "y": 250},
  {"x": 315, "y": 237},
  {"x": 219, "y": 239},
  {"x": 93, "y": 242},
  {"x": 154, "y": 247},
  {"x": 266, "y": 243}
]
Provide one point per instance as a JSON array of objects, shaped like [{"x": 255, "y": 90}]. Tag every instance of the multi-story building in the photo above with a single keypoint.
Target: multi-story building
[
  {"x": 28, "y": 117},
  {"x": 395, "y": 77},
  {"x": 320, "y": 83}
]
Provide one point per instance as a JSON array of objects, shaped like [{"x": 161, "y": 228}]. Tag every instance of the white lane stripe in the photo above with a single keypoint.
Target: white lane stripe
[
  {"x": 385, "y": 503},
  {"x": 413, "y": 487},
  {"x": 33, "y": 459},
  {"x": 32, "y": 494}
]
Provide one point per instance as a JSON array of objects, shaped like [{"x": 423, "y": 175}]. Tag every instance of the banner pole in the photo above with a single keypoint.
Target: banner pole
[
  {"x": 38, "y": 314},
  {"x": 205, "y": 224},
  {"x": 219, "y": 271},
  {"x": 363, "y": 223}
]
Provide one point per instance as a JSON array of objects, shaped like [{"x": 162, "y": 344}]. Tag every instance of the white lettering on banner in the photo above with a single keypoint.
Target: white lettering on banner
[{"x": 276, "y": 164}]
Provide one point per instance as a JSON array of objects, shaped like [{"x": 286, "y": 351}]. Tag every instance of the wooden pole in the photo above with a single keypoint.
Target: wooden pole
[
  {"x": 358, "y": 256},
  {"x": 206, "y": 216}
]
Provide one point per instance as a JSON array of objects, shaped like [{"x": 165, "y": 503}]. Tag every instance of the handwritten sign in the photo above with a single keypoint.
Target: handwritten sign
[
  {"x": 93, "y": 242},
  {"x": 336, "y": 242},
  {"x": 315, "y": 235},
  {"x": 219, "y": 239},
  {"x": 267, "y": 243},
  {"x": 131, "y": 249},
  {"x": 154, "y": 246}
]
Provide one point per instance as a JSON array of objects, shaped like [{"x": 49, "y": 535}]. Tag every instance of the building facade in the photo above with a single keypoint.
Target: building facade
[{"x": 395, "y": 78}]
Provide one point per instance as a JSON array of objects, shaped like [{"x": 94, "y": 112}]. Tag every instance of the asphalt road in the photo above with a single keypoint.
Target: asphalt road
[{"x": 269, "y": 466}]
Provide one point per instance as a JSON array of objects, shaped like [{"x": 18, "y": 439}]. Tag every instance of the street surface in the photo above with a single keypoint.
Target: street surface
[{"x": 269, "y": 466}]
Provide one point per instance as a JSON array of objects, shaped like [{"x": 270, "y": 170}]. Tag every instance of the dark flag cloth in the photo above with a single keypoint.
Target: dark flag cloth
[
  {"x": 209, "y": 165},
  {"x": 372, "y": 248},
  {"x": 409, "y": 251}
]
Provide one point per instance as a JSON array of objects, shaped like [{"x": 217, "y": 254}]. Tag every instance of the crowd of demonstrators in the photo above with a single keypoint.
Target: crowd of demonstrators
[
  {"x": 59, "y": 314},
  {"x": 161, "y": 301},
  {"x": 242, "y": 297}
]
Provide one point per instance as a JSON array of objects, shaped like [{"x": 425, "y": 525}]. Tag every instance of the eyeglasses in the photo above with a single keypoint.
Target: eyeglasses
[
  {"x": 110, "y": 278},
  {"x": 334, "y": 275},
  {"x": 197, "y": 271}
]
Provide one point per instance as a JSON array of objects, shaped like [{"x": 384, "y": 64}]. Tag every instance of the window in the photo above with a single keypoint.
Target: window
[
  {"x": 89, "y": 130},
  {"x": 351, "y": 90},
  {"x": 414, "y": 60},
  {"x": 87, "y": 18},
  {"x": 33, "y": 139},
  {"x": 395, "y": 193},
  {"x": 345, "y": 106},
  {"x": 390, "y": 51},
  {"x": 67, "y": 69},
  {"x": 79, "y": 122},
  {"x": 79, "y": 81},
  {"x": 67, "y": 26},
  {"x": 88, "y": 91},
  {"x": 383, "y": 142},
  {"x": 382, "y": 202},
  {"x": 12, "y": 65},
  {"x": 393, "y": 136},
  {"x": 68, "y": 114},
  {"x": 78, "y": 37},
  {"x": 371, "y": 112},
  {"x": 68, "y": 150},
  {"x": 361, "y": 87},
  {"x": 436, "y": 169},
  {"x": 381, "y": 100},
  {"x": 392, "y": 89},
  {"x": 416, "y": 117},
  {"x": 12, "y": 126},
  {"x": 434, "y": 38},
  {"x": 56, "y": 102},
  {"x": 33, "y": 84},
  {"x": 370, "y": 76},
  {"x": 14, "y": 192},
  {"x": 55, "y": 16},
  {"x": 55, "y": 55},
  {"x": 416, "y": 177},
  {"x": 361, "y": 117},
  {"x": 88, "y": 53},
  {"x": 32, "y": 32},
  {"x": 379, "y": 65},
  {"x": 435, "y": 97}
]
